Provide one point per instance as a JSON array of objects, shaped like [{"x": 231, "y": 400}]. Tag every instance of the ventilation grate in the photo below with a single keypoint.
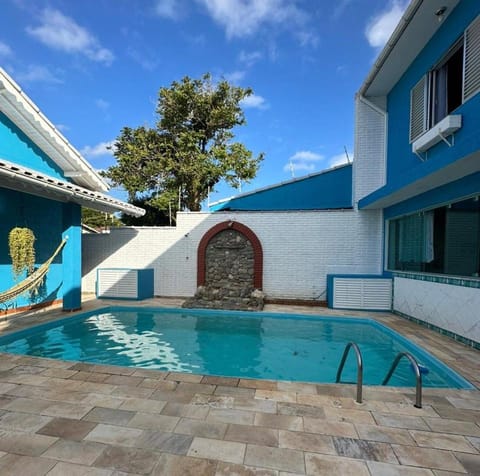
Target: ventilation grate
[{"x": 362, "y": 293}]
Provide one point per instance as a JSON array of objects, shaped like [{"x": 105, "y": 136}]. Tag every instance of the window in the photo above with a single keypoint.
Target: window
[
  {"x": 451, "y": 82},
  {"x": 445, "y": 240}
]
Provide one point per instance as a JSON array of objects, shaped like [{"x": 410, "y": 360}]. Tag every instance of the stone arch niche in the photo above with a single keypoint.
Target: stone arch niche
[{"x": 229, "y": 269}]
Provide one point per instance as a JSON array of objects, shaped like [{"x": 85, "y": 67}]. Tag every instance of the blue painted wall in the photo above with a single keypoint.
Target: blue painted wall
[
  {"x": 16, "y": 147},
  {"x": 329, "y": 190},
  {"x": 48, "y": 219},
  {"x": 403, "y": 165}
]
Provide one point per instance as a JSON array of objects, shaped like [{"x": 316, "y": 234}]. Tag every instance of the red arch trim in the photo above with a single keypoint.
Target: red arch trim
[{"x": 244, "y": 230}]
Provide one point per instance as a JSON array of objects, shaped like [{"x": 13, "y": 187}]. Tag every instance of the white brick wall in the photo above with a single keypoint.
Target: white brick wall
[
  {"x": 369, "y": 163},
  {"x": 299, "y": 250}
]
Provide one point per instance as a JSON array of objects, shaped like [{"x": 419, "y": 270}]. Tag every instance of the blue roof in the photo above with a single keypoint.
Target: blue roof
[{"x": 326, "y": 190}]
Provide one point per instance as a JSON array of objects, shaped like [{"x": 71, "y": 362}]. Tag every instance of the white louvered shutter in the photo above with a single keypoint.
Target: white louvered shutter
[
  {"x": 471, "y": 83},
  {"x": 418, "y": 109}
]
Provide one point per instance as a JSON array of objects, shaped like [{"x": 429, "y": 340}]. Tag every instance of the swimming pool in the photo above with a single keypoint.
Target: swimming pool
[{"x": 230, "y": 343}]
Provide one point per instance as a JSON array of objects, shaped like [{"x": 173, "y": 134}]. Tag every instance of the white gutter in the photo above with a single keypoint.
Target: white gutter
[
  {"x": 27, "y": 180},
  {"x": 388, "y": 48}
]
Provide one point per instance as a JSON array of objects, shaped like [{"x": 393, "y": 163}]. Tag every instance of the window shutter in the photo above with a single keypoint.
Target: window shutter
[
  {"x": 471, "y": 83},
  {"x": 418, "y": 110}
]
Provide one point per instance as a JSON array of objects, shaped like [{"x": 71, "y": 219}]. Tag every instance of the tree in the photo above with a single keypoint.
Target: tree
[
  {"x": 99, "y": 220},
  {"x": 190, "y": 150}
]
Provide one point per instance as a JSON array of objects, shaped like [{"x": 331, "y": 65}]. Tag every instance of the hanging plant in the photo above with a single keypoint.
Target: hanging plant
[{"x": 22, "y": 251}]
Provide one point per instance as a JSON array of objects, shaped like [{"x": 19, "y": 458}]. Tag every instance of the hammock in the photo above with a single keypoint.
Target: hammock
[{"x": 31, "y": 281}]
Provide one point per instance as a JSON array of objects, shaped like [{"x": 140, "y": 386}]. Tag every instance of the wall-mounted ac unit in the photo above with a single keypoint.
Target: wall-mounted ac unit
[{"x": 445, "y": 128}]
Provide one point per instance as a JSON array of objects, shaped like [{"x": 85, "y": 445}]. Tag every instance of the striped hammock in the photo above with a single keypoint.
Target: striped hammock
[{"x": 33, "y": 280}]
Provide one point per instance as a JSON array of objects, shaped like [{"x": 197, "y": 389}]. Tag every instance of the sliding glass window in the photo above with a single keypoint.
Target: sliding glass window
[{"x": 445, "y": 240}]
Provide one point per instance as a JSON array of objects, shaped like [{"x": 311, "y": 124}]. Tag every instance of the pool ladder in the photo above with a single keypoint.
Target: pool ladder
[{"x": 413, "y": 362}]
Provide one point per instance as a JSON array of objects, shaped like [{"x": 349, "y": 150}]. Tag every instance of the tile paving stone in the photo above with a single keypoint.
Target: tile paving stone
[
  {"x": 283, "y": 422},
  {"x": 164, "y": 441},
  {"x": 188, "y": 387},
  {"x": 453, "y": 413},
  {"x": 14, "y": 464},
  {"x": 29, "y": 379},
  {"x": 362, "y": 449},
  {"x": 229, "y": 469},
  {"x": 384, "y": 469},
  {"x": 442, "y": 441},
  {"x": 254, "y": 405},
  {"x": 327, "y": 465},
  {"x": 311, "y": 442},
  {"x": 464, "y": 403},
  {"x": 181, "y": 377},
  {"x": 96, "y": 387},
  {"x": 182, "y": 410},
  {"x": 67, "y": 428},
  {"x": 213, "y": 401},
  {"x": 109, "y": 415},
  {"x": 90, "y": 376},
  {"x": 67, "y": 410},
  {"x": 173, "y": 465},
  {"x": 150, "y": 373},
  {"x": 113, "y": 369},
  {"x": 400, "y": 421},
  {"x": 27, "y": 405},
  {"x": 102, "y": 400},
  {"x": 22, "y": 421},
  {"x": 258, "y": 384},
  {"x": 150, "y": 382},
  {"x": 253, "y": 435},
  {"x": 235, "y": 391},
  {"x": 228, "y": 451},
  {"x": 316, "y": 425},
  {"x": 282, "y": 459},
  {"x": 171, "y": 396},
  {"x": 384, "y": 434},
  {"x": 24, "y": 443},
  {"x": 404, "y": 408},
  {"x": 221, "y": 381},
  {"x": 470, "y": 462},
  {"x": 167, "y": 385},
  {"x": 427, "y": 458},
  {"x": 297, "y": 387},
  {"x": 315, "y": 400},
  {"x": 62, "y": 469},
  {"x": 474, "y": 441},
  {"x": 135, "y": 392},
  {"x": 296, "y": 409},
  {"x": 143, "y": 405},
  {"x": 78, "y": 452},
  {"x": 59, "y": 373},
  {"x": 348, "y": 415},
  {"x": 276, "y": 395},
  {"x": 240, "y": 417},
  {"x": 114, "y": 435},
  {"x": 130, "y": 460},
  {"x": 124, "y": 380},
  {"x": 63, "y": 384},
  {"x": 151, "y": 421},
  {"x": 189, "y": 426},
  {"x": 458, "y": 427}
]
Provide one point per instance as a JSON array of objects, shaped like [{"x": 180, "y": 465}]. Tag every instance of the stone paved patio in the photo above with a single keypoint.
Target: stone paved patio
[{"x": 70, "y": 418}]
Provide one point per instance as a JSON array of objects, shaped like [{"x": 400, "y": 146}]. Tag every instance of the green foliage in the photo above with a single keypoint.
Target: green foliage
[
  {"x": 99, "y": 220},
  {"x": 190, "y": 150},
  {"x": 21, "y": 245},
  {"x": 156, "y": 213}
]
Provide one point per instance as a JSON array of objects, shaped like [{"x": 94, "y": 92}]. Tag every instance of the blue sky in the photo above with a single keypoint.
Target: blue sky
[{"x": 95, "y": 66}]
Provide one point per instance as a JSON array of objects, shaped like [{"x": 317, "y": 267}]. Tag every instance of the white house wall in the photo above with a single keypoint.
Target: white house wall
[
  {"x": 369, "y": 161},
  {"x": 450, "y": 307},
  {"x": 299, "y": 250}
]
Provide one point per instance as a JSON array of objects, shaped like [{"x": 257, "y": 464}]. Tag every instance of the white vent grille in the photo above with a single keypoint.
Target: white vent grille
[
  {"x": 117, "y": 283},
  {"x": 418, "y": 101},
  {"x": 362, "y": 293},
  {"x": 472, "y": 60}
]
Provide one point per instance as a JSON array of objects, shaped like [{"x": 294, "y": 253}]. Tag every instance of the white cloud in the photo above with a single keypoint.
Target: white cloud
[
  {"x": 254, "y": 101},
  {"x": 145, "y": 59},
  {"x": 38, "y": 73},
  {"x": 235, "y": 76},
  {"x": 5, "y": 50},
  {"x": 62, "y": 33},
  {"x": 62, "y": 127},
  {"x": 303, "y": 160},
  {"x": 242, "y": 18},
  {"x": 380, "y": 27},
  {"x": 167, "y": 9},
  {"x": 339, "y": 159},
  {"x": 102, "y": 104},
  {"x": 102, "y": 148},
  {"x": 250, "y": 58}
]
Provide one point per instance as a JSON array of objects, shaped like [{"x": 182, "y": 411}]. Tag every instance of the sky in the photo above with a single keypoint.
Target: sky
[{"x": 95, "y": 66}]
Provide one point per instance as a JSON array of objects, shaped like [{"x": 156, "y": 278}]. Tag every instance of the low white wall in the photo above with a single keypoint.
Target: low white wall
[
  {"x": 450, "y": 307},
  {"x": 299, "y": 250}
]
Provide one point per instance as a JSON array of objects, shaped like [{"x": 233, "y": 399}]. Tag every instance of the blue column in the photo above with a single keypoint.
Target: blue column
[{"x": 72, "y": 257}]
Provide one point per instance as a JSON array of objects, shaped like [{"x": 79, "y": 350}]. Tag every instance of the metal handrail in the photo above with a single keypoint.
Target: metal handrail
[
  {"x": 418, "y": 375},
  {"x": 359, "y": 368}
]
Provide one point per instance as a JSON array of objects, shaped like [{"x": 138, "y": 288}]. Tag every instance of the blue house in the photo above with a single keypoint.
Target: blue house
[
  {"x": 417, "y": 162},
  {"x": 44, "y": 182}
]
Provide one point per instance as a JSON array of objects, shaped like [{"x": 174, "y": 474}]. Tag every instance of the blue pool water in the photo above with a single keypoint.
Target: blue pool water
[{"x": 234, "y": 344}]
